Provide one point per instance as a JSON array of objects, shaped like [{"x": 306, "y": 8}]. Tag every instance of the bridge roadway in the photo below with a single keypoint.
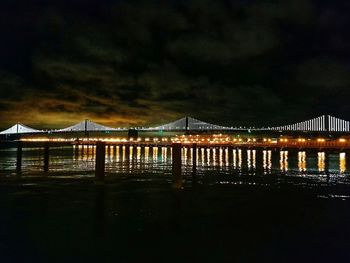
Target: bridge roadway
[{"x": 324, "y": 145}]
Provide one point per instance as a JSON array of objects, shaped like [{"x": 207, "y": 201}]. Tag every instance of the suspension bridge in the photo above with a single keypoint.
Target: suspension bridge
[
  {"x": 324, "y": 123},
  {"x": 208, "y": 140}
]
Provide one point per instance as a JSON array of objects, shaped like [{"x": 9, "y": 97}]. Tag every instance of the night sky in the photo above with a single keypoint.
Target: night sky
[{"x": 149, "y": 62}]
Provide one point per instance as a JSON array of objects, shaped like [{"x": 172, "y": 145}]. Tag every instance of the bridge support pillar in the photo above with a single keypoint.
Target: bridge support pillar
[
  {"x": 177, "y": 163},
  {"x": 259, "y": 160},
  {"x": 100, "y": 160},
  {"x": 194, "y": 162},
  {"x": 46, "y": 156},
  {"x": 76, "y": 151},
  {"x": 82, "y": 149},
  {"x": 19, "y": 156},
  {"x": 230, "y": 154},
  {"x": 127, "y": 151},
  {"x": 326, "y": 162}
]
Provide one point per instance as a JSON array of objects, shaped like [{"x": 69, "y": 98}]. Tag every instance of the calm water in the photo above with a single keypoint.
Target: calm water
[
  {"x": 80, "y": 161},
  {"x": 248, "y": 206}
]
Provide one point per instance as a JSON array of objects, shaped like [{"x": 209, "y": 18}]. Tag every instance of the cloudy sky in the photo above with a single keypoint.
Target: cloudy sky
[{"x": 119, "y": 63}]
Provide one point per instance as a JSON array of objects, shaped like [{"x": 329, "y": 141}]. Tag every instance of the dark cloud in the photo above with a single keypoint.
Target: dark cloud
[{"x": 136, "y": 62}]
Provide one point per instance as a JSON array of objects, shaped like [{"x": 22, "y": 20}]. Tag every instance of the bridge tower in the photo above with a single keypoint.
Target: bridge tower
[
  {"x": 86, "y": 128},
  {"x": 187, "y": 124}
]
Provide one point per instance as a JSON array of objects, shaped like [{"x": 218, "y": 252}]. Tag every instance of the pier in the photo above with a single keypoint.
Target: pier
[{"x": 228, "y": 146}]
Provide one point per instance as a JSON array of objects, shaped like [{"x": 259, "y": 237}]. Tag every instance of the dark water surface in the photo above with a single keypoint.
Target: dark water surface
[{"x": 248, "y": 206}]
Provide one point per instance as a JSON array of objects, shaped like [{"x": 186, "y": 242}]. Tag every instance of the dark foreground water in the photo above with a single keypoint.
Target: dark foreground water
[{"x": 247, "y": 206}]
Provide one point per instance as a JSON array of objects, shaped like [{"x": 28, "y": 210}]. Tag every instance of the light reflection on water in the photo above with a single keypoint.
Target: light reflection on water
[
  {"x": 284, "y": 161},
  {"x": 342, "y": 162},
  {"x": 157, "y": 160},
  {"x": 321, "y": 161}
]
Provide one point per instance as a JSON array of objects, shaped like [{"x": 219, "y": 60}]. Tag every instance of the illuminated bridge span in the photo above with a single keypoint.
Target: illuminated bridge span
[
  {"x": 184, "y": 124},
  {"x": 188, "y": 123},
  {"x": 20, "y": 128},
  {"x": 88, "y": 126},
  {"x": 325, "y": 123}
]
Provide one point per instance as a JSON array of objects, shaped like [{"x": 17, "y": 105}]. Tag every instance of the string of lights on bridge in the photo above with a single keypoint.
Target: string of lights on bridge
[
  {"x": 325, "y": 123},
  {"x": 214, "y": 139}
]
